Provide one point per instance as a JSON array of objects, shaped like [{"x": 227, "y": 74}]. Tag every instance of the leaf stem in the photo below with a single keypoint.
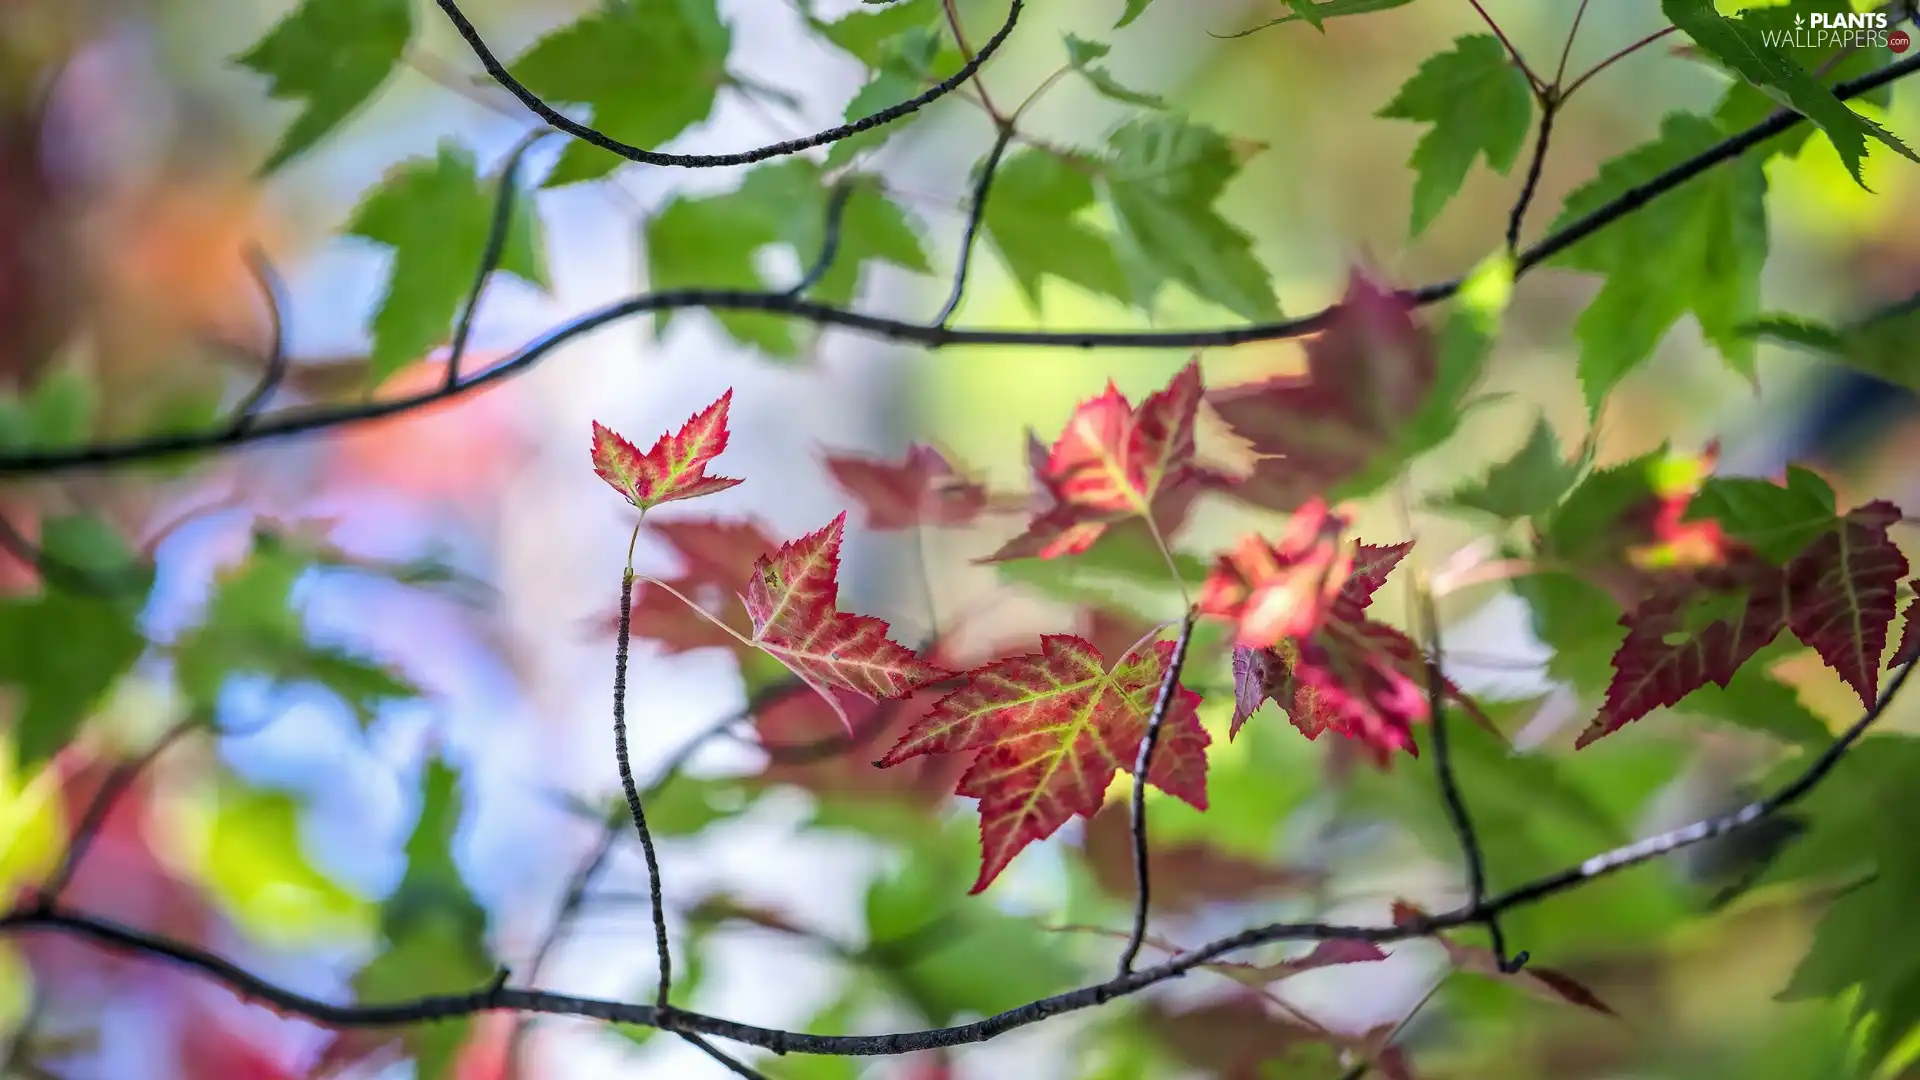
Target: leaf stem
[
  {"x": 1166, "y": 553},
  {"x": 1615, "y": 58},
  {"x": 1539, "y": 88}
]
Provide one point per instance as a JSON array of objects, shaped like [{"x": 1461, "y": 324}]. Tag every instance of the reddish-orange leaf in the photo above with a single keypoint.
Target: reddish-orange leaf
[
  {"x": 1112, "y": 462},
  {"x": 1836, "y": 595},
  {"x": 925, "y": 489},
  {"x": 792, "y": 599},
  {"x": 1283, "y": 590},
  {"x": 1367, "y": 375},
  {"x": 1349, "y": 674},
  {"x": 1051, "y": 730},
  {"x": 676, "y": 466}
]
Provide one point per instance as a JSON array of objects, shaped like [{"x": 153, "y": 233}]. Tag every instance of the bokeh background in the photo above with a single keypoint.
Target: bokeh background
[{"x": 128, "y": 149}]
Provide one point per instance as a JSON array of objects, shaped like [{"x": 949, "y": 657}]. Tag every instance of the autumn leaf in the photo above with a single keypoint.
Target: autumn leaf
[
  {"x": 1274, "y": 591},
  {"x": 1836, "y": 596},
  {"x": 792, "y": 600},
  {"x": 925, "y": 489},
  {"x": 676, "y": 466},
  {"x": 1113, "y": 462},
  {"x": 1367, "y": 375},
  {"x": 1363, "y": 679},
  {"x": 1909, "y": 650},
  {"x": 1051, "y": 730}
]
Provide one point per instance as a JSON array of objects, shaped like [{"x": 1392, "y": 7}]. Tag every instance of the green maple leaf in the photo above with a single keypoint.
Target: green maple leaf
[
  {"x": 1032, "y": 220},
  {"x": 1698, "y": 248},
  {"x": 1134, "y": 9},
  {"x": 1479, "y": 104},
  {"x": 435, "y": 214},
  {"x": 63, "y": 650},
  {"x": 650, "y": 69},
  {"x": 909, "y": 62},
  {"x": 712, "y": 241},
  {"x": 866, "y": 34},
  {"x": 1746, "y": 104},
  {"x": 1775, "y": 521},
  {"x": 1741, "y": 45},
  {"x": 1528, "y": 483},
  {"x": 1879, "y": 345},
  {"x": 1082, "y": 53},
  {"x": 1161, "y": 178},
  {"x": 253, "y": 628},
  {"x": 434, "y": 931},
  {"x": 332, "y": 55}
]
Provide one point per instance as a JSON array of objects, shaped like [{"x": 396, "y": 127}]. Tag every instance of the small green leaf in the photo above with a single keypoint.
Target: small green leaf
[
  {"x": 1528, "y": 483},
  {"x": 252, "y": 628},
  {"x": 909, "y": 63},
  {"x": 1880, "y": 346},
  {"x": 650, "y": 69},
  {"x": 865, "y": 34},
  {"x": 1741, "y": 45},
  {"x": 1698, "y": 248},
  {"x": 1032, "y": 220},
  {"x": 1161, "y": 179},
  {"x": 1479, "y": 104},
  {"x": 332, "y": 55},
  {"x": 1134, "y": 9},
  {"x": 435, "y": 214},
  {"x": 1775, "y": 521},
  {"x": 63, "y": 651},
  {"x": 1081, "y": 54}
]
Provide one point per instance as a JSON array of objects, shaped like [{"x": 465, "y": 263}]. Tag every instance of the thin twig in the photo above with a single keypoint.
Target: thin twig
[
  {"x": 116, "y": 784},
  {"x": 966, "y": 53},
  {"x": 1615, "y": 58},
  {"x": 1566, "y": 50},
  {"x": 734, "y": 1066},
  {"x": 51, "y": 460},
  {"x": 1539, "y": 88},
  {"x": 632, "y": 791},
  {"x": 976, "y": 214},
  {"x": 829, "y": 241},
  {"x": 587, "y": 134},
  {"x": 271, "y": 289},
  {"x": 1549, "y": 108},
  {"x": 497, "y": 232},
  {"x": 1162, "y": 705}
]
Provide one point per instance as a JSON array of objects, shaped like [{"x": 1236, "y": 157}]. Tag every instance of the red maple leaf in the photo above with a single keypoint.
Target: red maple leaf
[
  {"x": 717, "y": 556},
  {"x": 1367, "y": 374},
  {"x": 676, "y": 466},
  {"x": 792, "y": 599},
  {"x": 1113, "y": 462},
  {"x": 1836, "y": 595},
  {"x": 924, "y": 489},
  {"x": 1281, "y": 590},
  {"x": 1051, "y": 730},
  {"x": 1363, "y": 679}
]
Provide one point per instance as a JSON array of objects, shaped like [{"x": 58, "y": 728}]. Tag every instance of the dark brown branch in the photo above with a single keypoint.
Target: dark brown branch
[
  {"x": 1162, "y": 704},
  {"x": 498, "y": 997},
  {"x": 38, "y": 462},
  {"x": 976, "y": 213},
  {"x": 747, "y": 157},
  {"x": 496, "y": 248},
  {"x": 632, "y": 790},
  {"x": 829, "y": 241},
  {"x": 271, "y": 289},
  {"x": 1549, "y": 108}
]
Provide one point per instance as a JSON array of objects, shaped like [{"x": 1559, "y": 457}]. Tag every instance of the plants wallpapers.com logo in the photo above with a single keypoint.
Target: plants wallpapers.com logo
[{"x": 1851, "y": 30}]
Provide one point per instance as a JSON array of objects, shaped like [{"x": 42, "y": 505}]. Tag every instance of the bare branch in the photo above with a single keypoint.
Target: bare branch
[
  {"x": 1162, "y": 704},
  {"x": 584, "y": 133},
  {"x": 497, "y": 232},
  {"x": 976, "y": 213},
  {"x": 271, "y": 290}
]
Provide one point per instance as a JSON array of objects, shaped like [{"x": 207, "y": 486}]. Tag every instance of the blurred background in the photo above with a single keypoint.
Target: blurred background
[{"x": 467, "y": 551}]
